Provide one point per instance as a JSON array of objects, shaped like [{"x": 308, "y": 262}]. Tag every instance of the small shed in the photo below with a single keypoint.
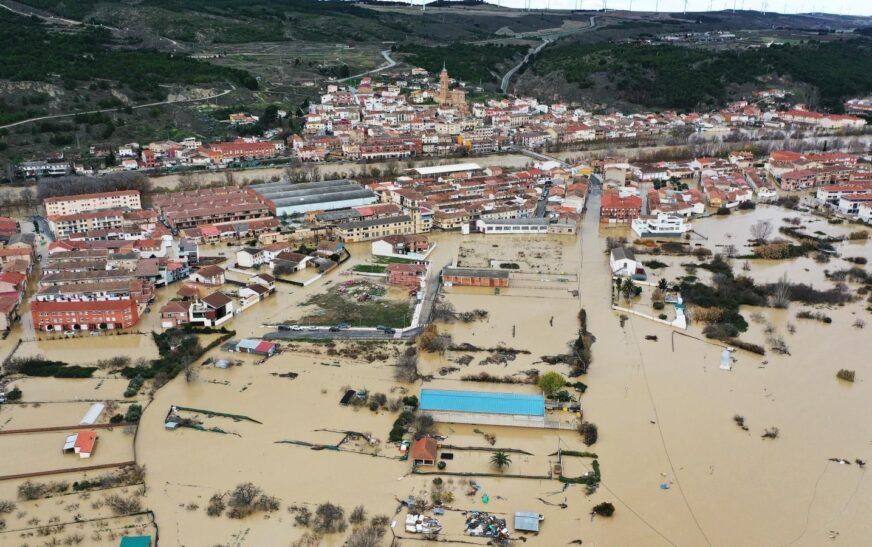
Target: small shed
[
  {"x": 135, "y": 541},
  {"x": 259, "y": 347},
  {"x": 527, "y": 522},
  {"x": 424, "y": 451},
  {"x": 92, "y": 414}
]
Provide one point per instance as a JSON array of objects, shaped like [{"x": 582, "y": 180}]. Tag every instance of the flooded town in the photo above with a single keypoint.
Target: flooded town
[{"x": 544, "y": 348}]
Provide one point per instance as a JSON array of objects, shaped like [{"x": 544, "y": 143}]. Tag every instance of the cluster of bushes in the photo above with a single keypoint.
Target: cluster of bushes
[
  {"x": 178, "y": 349},
  {"x": 30, "y": 490},
  {"x": 133, "y": 386},
  {"x": 244, "y": 500},
  {"x": 817, "y": 316},
  {"x": 133, "y": 414},
  {"x": 123, "y": 476},
  {"x": 41, "y": 367},
  {"x": 654, "y": 264},
  {"x": 14, "y": 394}
]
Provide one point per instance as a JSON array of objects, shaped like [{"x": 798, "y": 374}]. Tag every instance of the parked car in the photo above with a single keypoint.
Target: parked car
[
  {"x": 389, "y": 330},
  {"x": 69, "y": 333},
  {"x": 344, "y": 325},
  {"x": 296, "y": 327},
  {"x": 334, "y": 329},
  {"x": 313, "y": 327}
]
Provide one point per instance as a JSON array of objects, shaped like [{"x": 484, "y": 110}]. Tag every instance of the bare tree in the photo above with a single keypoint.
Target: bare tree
[
  {"x": 406, "y": 367},
  {"x": 781, "y": 293},
  {"x": 761, "y": 230}
]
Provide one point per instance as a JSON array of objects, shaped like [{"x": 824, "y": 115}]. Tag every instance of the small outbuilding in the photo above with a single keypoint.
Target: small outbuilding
[
  {"x": 135, "y": 541},
  {"x": 424, "y": 451},
  {"x": 259, "y": 347},
  {"x": 527, "y": 522}
]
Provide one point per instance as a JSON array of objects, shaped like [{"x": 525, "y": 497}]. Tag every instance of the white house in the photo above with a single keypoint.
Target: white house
[
  {"x": 209, "y": 275},
  {"x": 251, "y": 258},
  {"x": 623, "y": 261}
]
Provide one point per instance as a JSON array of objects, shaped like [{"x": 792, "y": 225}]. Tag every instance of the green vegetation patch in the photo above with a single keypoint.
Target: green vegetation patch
[
  {"x": 667, "y": 76},
  {"x": 368, "y": 268},
  {"x": 362, "y": 306},
  {"x": 30, "y": 50},
  {"x": 471, "y": 63}
]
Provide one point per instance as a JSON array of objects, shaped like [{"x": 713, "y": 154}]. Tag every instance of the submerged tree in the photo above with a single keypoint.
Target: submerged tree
[{"x": 500, "y": 460}]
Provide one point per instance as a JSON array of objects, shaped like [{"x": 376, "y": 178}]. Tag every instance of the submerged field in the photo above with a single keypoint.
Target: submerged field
[{"x": 671, "y": 454}]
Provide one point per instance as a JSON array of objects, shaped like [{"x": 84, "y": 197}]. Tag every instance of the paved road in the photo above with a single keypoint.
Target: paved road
[
  {"x": 507, "y": 78},
  {"x": 54, "y": 116},
  {"x": 504, "y": 85},
  {"x": 390, "y": 64}
]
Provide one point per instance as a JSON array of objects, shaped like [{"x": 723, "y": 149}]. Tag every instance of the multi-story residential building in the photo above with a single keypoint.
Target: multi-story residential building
[
  {"x": 83, "y": 203},
  {"x": 615, "y": 209},
  {"x": 211, "y": 206},
  {"x": 95, "y": 306},
  {"x": 63, "y": 226},
  {"x": 376, "y": 228}
]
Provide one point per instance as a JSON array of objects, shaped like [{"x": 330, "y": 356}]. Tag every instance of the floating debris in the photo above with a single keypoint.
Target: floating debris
[{"x": 481, "y": 524}]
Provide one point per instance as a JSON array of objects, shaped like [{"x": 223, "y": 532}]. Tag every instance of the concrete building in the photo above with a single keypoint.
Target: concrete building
[
  {"x": 513, "y": 226},
  {"x": 376, "y": 228},
  {"x": 287, "y": 198},
  {"x": 473, "y": 277},
  {"x": 225, "y": 205},
  {"x": 484, "y": 408},
  {"x": 63, "y": 226},
  {"x": 71, "y": 205}
]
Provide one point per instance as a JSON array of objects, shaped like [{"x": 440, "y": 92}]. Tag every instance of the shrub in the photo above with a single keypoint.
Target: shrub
[
  {"x": 6, "y": 507},
  {"x": 329, "y": 519},
  {"x": 659, "y": 305},
  {"x": 604, "y": 509},
  {"x": 441, "y": 465},
  {"x": 411, "y": 401},
  {"x": 116, "y": 419},
  {"x": 358, "y": 515},
  {"x": 123, "y": 506},
  {"x": 846, "y": 375},
  {"x": 133, "y": 414},
  {"x": 663, "y": 317},
  {"x": 13, "y": 394},
  {"x": 216, "y": 505},
  {"x": 654, "y": 264},
  {"x": 133, "y": 386},
  {"x": 401, "y": 424},
  {"x": 589, "y": 433}
]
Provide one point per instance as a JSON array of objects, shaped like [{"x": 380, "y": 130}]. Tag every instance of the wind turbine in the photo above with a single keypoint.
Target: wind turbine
[
  {"x": 765, "y": 5},
  {"x": 685, "y": 7}
]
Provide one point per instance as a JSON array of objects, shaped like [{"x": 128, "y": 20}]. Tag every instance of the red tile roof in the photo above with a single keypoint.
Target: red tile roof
[
  {"x": 85, "y": 441},
  {"x": 424, "y": 449}
]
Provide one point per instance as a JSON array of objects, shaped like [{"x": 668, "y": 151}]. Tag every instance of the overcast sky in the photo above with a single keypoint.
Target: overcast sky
[{"x": 847, "y": 7}]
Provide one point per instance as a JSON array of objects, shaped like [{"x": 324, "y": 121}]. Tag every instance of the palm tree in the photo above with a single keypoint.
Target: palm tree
[{"x": 501, "y": 460}]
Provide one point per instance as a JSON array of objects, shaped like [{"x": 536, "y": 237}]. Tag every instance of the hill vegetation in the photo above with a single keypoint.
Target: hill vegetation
[
  {"x": 467, "y": 62},
  {"x": 685, "y": 78},
  {"x": 32, "y": 51}
]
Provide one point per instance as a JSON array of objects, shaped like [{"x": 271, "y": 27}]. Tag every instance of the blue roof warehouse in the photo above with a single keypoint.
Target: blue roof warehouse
[{"x": 484, "y": 407}]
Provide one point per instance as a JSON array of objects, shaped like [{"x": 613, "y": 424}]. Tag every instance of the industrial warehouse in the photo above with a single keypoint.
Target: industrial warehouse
[
  {"x": 484, "y": 408},
  {"x": 292, "y": 199}
]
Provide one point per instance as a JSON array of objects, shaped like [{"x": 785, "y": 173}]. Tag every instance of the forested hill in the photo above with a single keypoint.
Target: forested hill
[
  {"x": 242, "y": 21},
  {"x": 684, "y": 78},
  {"x": 33, "y": 51}
]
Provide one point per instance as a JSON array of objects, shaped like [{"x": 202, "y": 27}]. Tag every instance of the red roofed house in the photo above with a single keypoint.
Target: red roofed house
[
  {"x": 84, "y": 314},
  {"x": 424, "y": 451},
  {"x": 615, "y": 209},
  {"x": 406, "y": 275},
  {"x": 174, "y": 313},
  {"x": 85, "y": 441}
]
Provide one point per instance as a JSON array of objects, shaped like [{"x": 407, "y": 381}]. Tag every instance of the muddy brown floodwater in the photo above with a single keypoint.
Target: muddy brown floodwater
[{"x": 674, "y": 463}]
